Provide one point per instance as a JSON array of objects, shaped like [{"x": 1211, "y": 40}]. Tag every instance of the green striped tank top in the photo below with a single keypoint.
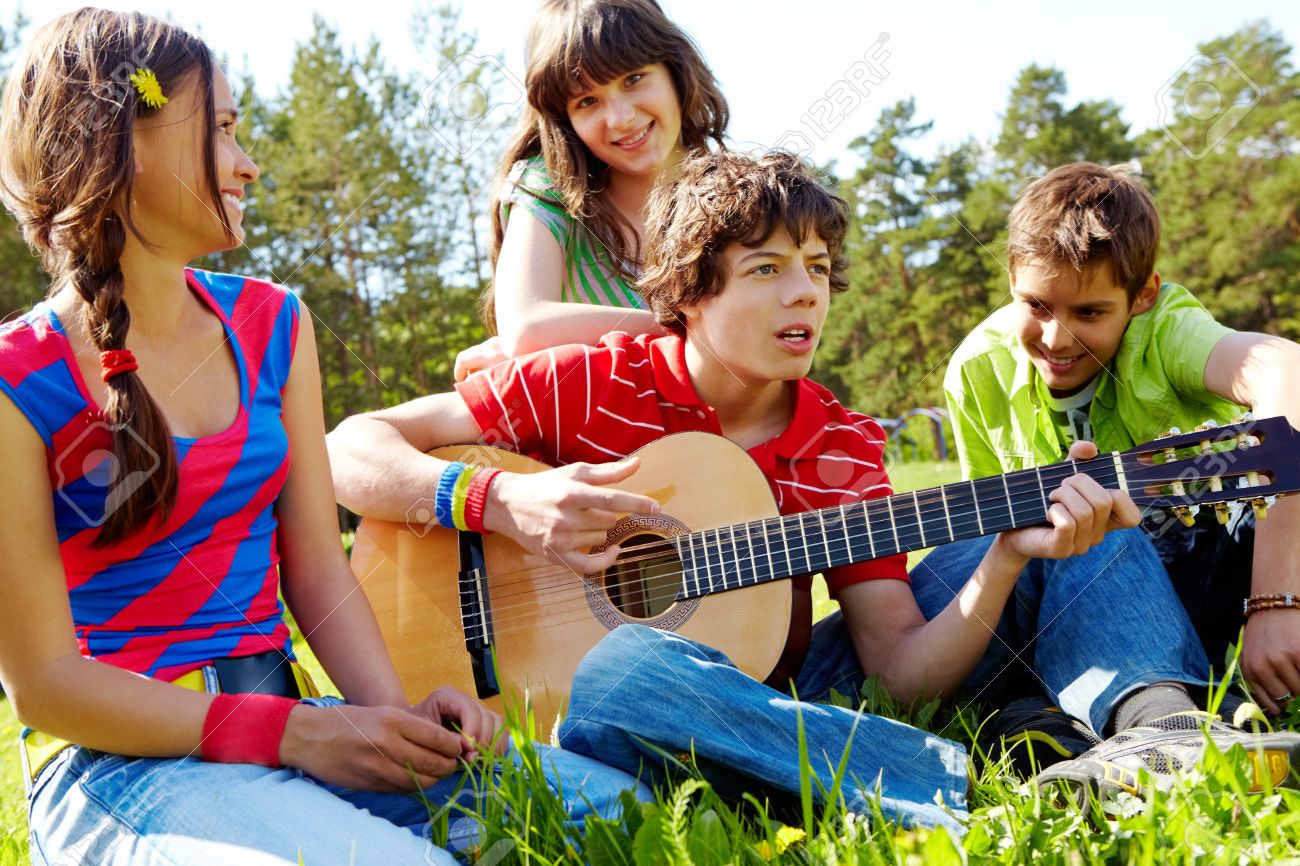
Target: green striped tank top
[{"x": 591, "y": 277}]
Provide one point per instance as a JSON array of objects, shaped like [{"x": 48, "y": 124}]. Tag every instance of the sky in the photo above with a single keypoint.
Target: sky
[{"x": 812, "y": 74}]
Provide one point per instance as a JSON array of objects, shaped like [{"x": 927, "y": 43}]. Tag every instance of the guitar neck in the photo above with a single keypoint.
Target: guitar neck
[{"x": 746, "y": 554}]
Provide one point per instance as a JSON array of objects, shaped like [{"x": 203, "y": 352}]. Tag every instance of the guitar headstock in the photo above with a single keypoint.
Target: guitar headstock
[{"x": 1250, "y": 460}]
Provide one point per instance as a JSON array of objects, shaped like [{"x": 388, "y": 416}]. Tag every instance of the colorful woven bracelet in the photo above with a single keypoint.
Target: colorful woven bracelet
[
  {"x": 245, "y": 729},
  {"x": 476, "y": 499},
  {"x": 442, "y": 496},
  {"x": 458, "y": 496}
]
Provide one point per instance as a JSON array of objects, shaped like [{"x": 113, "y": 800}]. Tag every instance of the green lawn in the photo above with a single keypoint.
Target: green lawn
[
  {"x": 1206, "y": 818},
  {"x": 13, "y": 812}
]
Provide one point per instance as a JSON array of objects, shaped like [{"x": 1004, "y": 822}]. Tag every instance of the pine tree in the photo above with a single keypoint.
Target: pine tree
[
  {"x": 22, "y": 280},
  {"x": 1225, "y": 168}
]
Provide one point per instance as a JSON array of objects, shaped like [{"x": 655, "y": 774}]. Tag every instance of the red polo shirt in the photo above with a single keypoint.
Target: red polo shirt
[{"x": 595, "y": 404}]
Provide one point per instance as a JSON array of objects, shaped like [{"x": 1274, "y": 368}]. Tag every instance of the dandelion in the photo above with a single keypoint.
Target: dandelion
[
  {"x": 787, "y": 836},
  {"x": 150, "y": 90}
]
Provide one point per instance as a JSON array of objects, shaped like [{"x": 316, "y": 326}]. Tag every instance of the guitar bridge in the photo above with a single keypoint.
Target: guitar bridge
[{"x": 476, "y": 614}]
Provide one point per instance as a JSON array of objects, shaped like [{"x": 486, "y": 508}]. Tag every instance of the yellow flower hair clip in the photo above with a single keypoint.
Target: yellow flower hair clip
[{"x": 150, "y": 90}]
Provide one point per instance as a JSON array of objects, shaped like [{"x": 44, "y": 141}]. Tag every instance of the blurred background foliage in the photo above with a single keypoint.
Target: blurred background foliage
[{"x": 372, "y": 207}]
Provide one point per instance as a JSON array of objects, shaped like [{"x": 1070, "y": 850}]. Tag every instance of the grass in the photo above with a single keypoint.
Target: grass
[
  {"x": 1205, "y": 818},
  {"x": 13, "y": 805}
]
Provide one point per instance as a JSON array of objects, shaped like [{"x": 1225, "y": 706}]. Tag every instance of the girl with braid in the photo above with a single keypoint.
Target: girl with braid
[{"x": 164, "y": 439}]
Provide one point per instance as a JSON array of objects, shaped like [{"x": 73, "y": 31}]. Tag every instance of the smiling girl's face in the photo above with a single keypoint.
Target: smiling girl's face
[
  {"x": 632, "y": 123},
  {"x": 172, "y": 205}
]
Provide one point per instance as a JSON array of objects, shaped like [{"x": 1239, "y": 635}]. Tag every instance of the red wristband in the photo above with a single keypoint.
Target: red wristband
[
  {"x": 245, "y": 729},
  {"x": 476, "y": 498}
]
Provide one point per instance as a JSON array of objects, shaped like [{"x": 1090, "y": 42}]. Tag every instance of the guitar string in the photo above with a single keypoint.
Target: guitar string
[
  {"x": 500, "y": 612},
  {"x": 545, "y": 600},
  {"x": 929, "y": 497},
  {"x": 860, "y": 520},
  {"x": 772, "y": 529},
  {"x": 503, "y": 616}
]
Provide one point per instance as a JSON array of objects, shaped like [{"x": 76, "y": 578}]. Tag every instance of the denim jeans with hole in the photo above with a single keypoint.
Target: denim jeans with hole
[{"x": 91, "y": 807}]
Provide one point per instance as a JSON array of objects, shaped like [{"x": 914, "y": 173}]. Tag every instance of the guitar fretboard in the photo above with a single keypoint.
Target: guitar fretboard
[{"x": 745, "y": 554}]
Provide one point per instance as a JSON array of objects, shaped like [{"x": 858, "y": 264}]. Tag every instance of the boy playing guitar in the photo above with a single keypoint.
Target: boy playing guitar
[{"x": 740, "y": 264}]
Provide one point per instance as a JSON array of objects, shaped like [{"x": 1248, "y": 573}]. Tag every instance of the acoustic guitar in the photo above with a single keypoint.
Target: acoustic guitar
[{"x": 461, "y": 609}]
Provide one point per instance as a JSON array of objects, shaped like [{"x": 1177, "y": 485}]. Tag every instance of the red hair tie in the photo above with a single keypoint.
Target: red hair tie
[{"x": 115, "y": 362}]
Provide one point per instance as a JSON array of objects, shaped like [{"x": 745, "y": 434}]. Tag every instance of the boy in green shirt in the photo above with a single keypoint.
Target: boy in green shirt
[{"x": 1095, "y": 346}]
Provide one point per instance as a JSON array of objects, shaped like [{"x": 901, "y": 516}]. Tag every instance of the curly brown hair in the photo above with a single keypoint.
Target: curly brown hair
[
  {"x": 724, "y": 198},
  {"x": 1081, "y": 215},
  {"x": 66, "y": 169}
]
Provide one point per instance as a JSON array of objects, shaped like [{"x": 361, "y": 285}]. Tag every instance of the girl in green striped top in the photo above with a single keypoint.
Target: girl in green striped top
[{"x": 617, "y": 94}]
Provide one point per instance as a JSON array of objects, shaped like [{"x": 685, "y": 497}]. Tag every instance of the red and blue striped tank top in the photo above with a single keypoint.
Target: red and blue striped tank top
[{"x": 204, "y": 583}]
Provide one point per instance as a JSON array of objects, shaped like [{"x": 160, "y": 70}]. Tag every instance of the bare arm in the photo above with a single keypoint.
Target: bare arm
[
  {"x": 51, "y": 686},
  {"x": 315, "y": 577},
  {"x": 1263, "y": 372},
  {"x": 918, "y": 658},
  {"x": 54, "y": 689},
  {"x": 334, "y": 615},
  {"x": 381, "y": 470},
  {"x": 529, "y": 278}
]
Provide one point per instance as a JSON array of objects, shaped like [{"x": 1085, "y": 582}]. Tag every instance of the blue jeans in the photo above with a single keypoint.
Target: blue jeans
[
  {"x": 1087, "y": 630},
  {"x": 97, "y": 808},
  {"x": 1091, "y": 628},
  {"x": 641, "y": 692}
]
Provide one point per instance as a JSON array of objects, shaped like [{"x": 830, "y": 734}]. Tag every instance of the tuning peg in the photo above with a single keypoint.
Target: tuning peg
[
  {"x": 1170, "y": 453},
  {"x": 1220, "y": 508},
  {"x": 1208, "y": 424},
  {"x": 1243, "y": 418},
  {"x": 1261, "y": 505},
  {"x": 1242, "y": 436},
  {"x": 1187, "y": 513},
  {"x": 1245, "y": 440}
]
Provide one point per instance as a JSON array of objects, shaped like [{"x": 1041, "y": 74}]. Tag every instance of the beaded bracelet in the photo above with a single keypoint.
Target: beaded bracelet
[{"x": 1270, "y": 601}]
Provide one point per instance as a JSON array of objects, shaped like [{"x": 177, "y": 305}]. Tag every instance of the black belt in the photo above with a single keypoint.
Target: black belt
[{"x": 268, "y": 673}]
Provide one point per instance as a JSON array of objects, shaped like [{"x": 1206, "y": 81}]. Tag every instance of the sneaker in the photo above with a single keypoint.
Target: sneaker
[
  {"x": 1172, "y": 744},
  {"x": 1032, "y": 734}
]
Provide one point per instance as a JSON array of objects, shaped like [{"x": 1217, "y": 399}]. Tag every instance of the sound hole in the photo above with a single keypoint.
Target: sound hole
[{"x": 646, "y": 578}]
